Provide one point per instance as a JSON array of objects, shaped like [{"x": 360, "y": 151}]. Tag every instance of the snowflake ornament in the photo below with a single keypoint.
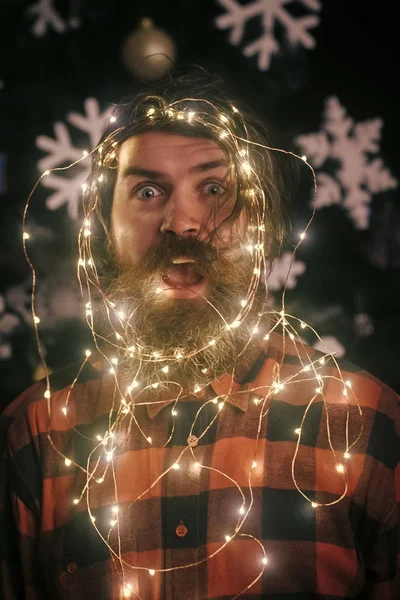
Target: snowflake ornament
[
  {"x": 272, "y": 13},
  {"x": 329, "y": 344},
  {"x": 352, "y": 146},
  {"x": 48, "y": 17},
  {"x": 280, "y": 270},
  {"x": 62, "y": 151},
  {"x": 8, "y": 322}
]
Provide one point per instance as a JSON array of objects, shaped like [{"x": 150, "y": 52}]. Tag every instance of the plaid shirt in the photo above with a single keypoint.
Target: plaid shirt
[{"x": 50, "y": 548}]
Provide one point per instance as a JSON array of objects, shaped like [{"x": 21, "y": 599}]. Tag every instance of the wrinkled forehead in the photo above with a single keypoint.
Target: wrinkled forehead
[{"x": 171, "y": 152}]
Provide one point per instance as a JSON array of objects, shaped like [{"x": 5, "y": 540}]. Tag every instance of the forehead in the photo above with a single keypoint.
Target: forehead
[{"x": 169, "y": 150}]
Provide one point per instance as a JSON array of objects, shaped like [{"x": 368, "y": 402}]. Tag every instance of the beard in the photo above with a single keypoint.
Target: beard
[{"x": 166, "y": 331}]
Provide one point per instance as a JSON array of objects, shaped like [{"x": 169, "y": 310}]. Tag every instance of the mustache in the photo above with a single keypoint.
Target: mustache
[{"x": 160, "y": 257}]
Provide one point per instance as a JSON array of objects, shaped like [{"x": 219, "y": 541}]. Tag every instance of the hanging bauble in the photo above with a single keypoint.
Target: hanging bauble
[{"x": 148, "y": 52}]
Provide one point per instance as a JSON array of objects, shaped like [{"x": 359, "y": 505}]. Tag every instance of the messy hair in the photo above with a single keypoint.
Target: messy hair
[{"x": 195, "y": 103}]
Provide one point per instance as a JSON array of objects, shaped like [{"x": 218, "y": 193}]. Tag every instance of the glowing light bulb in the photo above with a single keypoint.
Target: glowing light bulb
[
  {"x": 68, "y": 462},
  {"x": 243, "y": 303},
  {"x": 348, "y": 383},
  {"x": 86, "y": 232},
  {"x": 154, "y": 385},
  {"x": 115, "y": 509},
  {"x": 81, "y": 262},
  {"x": 36, "y": 320},
  {"x": 156, "y": 354},
  {"x": 151, "y": 111},
  {"x": 88, "y": 353},
  {"x": 25, "y": 235},
  {"x": 318, "y": 390},
  {"x": 46, "y": 173},
  {"x": 149, "y": 439},
  {"x": 256, "y": 271},
  {"x": 228, "y": 538},
  {"x": 113, "y": 522},
  {"x": 257, "y": 401},
  {"x": 346, "y": 455},
  {"x": 321, "y": 361},
  {"x": 253, "y": 464},
  {"x": 214, "y": 400},
  {"x": 304, "y": 157},
  {"x": 266, "y": 337},
  {"x": 176, "y": 466},
  {"x": 76, "y": 500},
  {"x": 159, "y": 290},
  {"x": 246, "y": 167},
  {"x": 234, "y": 325},
  {"x": 340, "y": 468},
  {"x": 223, "y": 118},
  {"x": 113, "y": 119},
  {"x": 264, "y": 560},
  {"x": 174, "y": 412},
  {"x": 235, "y": 110},
  {"x": 211, "y": 343},
  {"x": 84, "y": 187},
  {"x": 64, "y": 410},
  {"x": 197, "y": 389},
  {"x": 255, "y": 330},
  {"x": 314, "y": 504},
  {"x": 47, "y": 394},
  {"x": 92, "y": 518},
  {"x": 291, "y": 336},
  {"x": 241, "y": 510},
  {"x": 151, "y": 571},
  {"x": 302, "y": 236},
  {"x": 112, "y": 370},
  {"x": 100, "y": 177},
  {"x": 298, "y": 431},
  {"x": 100, "y": 480},
  {"x": 109, "y": 455},
  {"x": 165, "y": 369},
  {"x": 221, "y": 405}
]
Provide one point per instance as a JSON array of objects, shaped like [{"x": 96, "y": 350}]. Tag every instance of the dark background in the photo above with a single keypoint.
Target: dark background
[{"x": 349, "y": 272}]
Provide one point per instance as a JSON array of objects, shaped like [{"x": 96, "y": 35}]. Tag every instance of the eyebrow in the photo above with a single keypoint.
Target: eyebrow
[{"x": 200, "y": 168}]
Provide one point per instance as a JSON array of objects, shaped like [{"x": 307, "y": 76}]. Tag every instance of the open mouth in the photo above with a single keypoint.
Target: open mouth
[{"x": 182, "y": 279}]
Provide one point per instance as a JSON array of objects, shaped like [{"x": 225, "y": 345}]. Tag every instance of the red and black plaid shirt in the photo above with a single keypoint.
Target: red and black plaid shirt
[{"x": 51, "y": 549}]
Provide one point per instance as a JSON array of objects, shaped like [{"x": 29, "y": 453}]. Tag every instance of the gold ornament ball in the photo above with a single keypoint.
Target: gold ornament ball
[{"x": 148, "y": 52}]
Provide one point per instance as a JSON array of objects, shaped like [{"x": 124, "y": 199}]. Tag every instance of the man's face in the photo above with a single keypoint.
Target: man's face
[
  {"x": 179, "y": 285},
  {"x": 171, "y": 186}
]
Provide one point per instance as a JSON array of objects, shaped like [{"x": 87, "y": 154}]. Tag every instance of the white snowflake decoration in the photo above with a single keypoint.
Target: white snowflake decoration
[
  {"x": 47, "y": 16},
  {"x": 330, "y": 345},
  {"x": 8, "y": 322},
  {"x": 280, "y": 269},
  {"x": 271, "y": 12},
  {"x": 360, "y": 175},
  {"x": 62, "y": 151}
]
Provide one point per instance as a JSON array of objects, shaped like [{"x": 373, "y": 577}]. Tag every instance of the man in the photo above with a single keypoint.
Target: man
[{"x": 202, "y": 451}]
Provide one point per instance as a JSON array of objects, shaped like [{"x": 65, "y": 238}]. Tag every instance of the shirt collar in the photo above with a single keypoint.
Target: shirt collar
[{"x": 232, "y": 389}]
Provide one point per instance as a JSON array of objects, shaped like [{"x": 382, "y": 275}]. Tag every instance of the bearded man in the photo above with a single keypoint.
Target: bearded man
[{"x": 202, "y": 451}]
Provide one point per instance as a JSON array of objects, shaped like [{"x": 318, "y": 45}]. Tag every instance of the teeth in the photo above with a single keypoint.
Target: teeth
[{"x": 182, "y": 260}]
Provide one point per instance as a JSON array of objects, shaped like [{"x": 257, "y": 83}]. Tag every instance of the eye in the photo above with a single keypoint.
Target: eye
[
  {"x": 214, "y": 189},
  {"x": 146, "y": 192}
]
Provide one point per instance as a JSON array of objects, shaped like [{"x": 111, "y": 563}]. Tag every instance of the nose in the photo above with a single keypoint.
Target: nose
[{"x": 181, "y": 216}]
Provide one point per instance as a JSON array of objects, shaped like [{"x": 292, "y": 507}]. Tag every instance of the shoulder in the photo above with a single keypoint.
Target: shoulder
[{"x": 27, "y": 416}]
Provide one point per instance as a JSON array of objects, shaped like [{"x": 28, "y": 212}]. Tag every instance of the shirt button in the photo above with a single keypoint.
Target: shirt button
[
  {"x": 192, "y": 440},
  {"x": 72, "y": 567},
  {"x": 181, "y": 530}
]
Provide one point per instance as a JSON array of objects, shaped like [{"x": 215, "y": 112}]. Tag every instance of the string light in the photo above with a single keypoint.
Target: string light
[
  {"x": 251, "y": 190},
  {"x": 26, "y": 235}
]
